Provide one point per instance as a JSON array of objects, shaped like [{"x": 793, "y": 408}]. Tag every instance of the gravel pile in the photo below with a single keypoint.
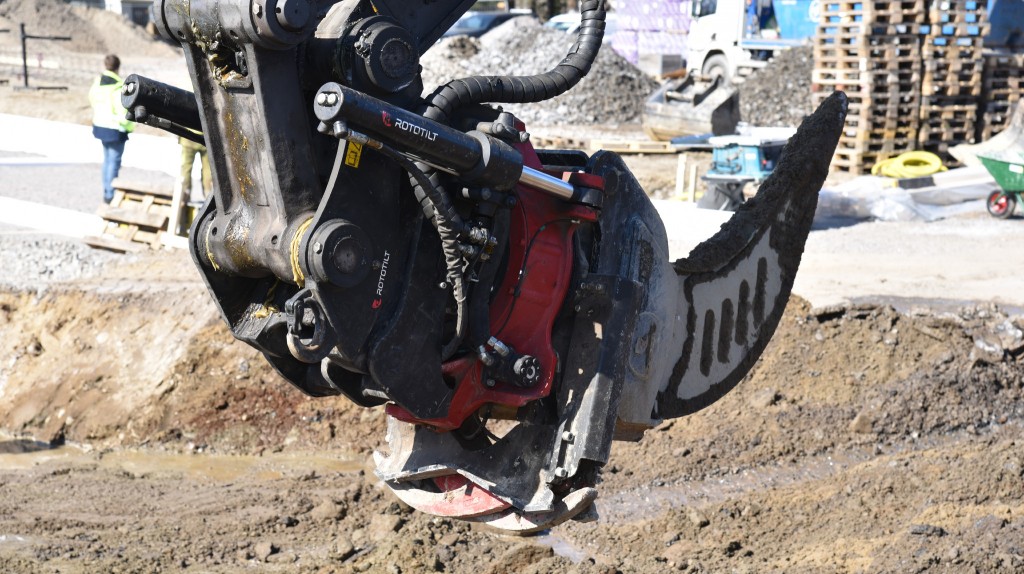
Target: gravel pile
[
  {"x": 780, "y": 93},
  {"x": 32, "y": 262},
  {"x": 92, "y": 30},
  {"x": 613, "y": 92}
]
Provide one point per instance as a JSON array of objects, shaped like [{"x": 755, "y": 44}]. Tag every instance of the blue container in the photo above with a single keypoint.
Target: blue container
[{"x": 797, "y": 19}]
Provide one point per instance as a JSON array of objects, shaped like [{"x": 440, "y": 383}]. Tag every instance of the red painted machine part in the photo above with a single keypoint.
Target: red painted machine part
[{"x": 525, "y": 306}]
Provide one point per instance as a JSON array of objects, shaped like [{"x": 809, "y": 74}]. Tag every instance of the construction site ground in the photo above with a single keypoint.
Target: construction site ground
[
  {"x": 881, "y": 431},
  {"x": 879, "y": 435}
]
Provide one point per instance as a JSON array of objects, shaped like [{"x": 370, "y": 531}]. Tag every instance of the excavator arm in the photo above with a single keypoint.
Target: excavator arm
[{"x": 513, "y": 310}]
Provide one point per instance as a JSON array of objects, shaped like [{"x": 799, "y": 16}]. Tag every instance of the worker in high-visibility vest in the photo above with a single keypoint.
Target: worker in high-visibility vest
[{"x": 108, "y": 121}]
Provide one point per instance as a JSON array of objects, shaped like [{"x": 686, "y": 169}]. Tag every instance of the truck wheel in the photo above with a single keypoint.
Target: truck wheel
[{"x": 717, "y": 67}]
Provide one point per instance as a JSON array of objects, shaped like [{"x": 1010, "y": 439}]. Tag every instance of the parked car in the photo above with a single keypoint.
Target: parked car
[
  {"x": 570, "y": 24},
  {"x": 476, "y": 24}
]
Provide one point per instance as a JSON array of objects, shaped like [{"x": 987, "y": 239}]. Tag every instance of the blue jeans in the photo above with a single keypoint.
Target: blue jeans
[{"x": 112, "y": 152}]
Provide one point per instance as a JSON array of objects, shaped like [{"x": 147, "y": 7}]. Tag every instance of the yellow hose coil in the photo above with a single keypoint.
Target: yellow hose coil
[{"x": 910, "y": 164}]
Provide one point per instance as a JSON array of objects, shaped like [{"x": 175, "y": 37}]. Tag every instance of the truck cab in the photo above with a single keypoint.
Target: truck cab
[{"x": 729, "y": 38}]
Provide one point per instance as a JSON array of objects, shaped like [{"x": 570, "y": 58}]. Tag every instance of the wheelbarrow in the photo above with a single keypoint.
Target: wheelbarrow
[{"x": 1007, "y": 168}]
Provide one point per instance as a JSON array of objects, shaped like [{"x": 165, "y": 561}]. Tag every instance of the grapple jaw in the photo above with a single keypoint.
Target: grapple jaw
[{"x": 651, "y": 340}]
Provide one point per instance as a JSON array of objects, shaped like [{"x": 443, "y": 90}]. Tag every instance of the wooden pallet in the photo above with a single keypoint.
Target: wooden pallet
[
  {"x": 878, "y": 145},
  {"x": 865, "y": 36},
  {"x": 868, "y": 63},
  {"x": 950, "y": 54},
  {"x": 621, "y": 146},
  {"x": 951, "y": 87},
  {"x": 939, "y": 65},
  {"x": 869, "y": 124},
  {"x": 868, "y": 106},
  {"x": 857, "y": 162},
  {"x": 887, "y": 12},
  {"x": 960, "y": 42},
  {"x": 940, "y": 17},
  {"x": 956, "y": 30},
  {"x": 930, "y": 112},
  {"x": 136, "y": 219}
]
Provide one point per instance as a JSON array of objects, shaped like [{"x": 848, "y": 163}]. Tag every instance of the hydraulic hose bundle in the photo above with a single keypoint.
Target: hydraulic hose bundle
[{"x": 497, "y": 89}]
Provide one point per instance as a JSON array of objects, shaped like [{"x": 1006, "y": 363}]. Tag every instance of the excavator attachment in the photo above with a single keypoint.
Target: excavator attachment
[
  {"x": 664, "y": 340},
  {"x": 512, "y": 310},
  {"x": 691, "y": 105}
]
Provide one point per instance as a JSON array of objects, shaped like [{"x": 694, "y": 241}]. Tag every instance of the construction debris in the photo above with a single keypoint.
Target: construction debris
[
  {"x": 613, "y": 92},
  {"x": 788, "y": 73}
]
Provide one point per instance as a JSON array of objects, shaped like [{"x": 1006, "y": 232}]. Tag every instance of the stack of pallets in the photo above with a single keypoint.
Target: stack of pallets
[
  {"x": 871, "y": 49},
  {"x": 1002, "y": 86},
  {"x": 951, "y": 52}
]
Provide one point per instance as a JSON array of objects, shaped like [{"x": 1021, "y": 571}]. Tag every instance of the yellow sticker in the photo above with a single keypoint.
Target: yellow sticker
[{"x": 353, "y": 153}]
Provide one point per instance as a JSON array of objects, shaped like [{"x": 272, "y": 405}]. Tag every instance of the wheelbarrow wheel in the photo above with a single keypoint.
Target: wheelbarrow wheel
[{"x": 1001, "y": 204}]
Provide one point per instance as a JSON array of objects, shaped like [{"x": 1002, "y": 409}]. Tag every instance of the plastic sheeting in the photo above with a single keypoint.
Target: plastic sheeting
[{"x": 871, "y": 197}]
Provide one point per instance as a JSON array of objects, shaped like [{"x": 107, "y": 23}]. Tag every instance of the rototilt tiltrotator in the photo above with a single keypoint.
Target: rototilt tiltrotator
[{"x": 514, "y": 309}]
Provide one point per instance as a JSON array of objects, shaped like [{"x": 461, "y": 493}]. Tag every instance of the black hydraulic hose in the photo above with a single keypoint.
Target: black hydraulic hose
[
  {"x": 516, "y": 89},
  {"x": 526, "y": 89},
  {"x": 448, "y": 228},
  {"x": 499, "y": 89},
  {"x": 480, "y": 298}
]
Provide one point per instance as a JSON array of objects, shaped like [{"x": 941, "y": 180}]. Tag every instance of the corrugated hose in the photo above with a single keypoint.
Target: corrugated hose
[{"x": 910, "y": 164}]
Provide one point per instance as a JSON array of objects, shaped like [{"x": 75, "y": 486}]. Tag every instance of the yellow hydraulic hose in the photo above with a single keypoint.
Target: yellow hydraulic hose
[{"x": 910, "y": 164}]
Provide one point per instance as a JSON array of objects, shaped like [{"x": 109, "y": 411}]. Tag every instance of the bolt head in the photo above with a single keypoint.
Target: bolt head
[
  {"x": 489, "y": 383},
  {"x": 318, "y": 247},
  {"x": 561, "y": 472},
  {"x": 321, "y": 98}
]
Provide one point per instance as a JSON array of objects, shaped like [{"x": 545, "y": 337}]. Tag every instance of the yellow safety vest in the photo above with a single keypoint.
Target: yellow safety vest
[{"x": 105, "y": 99}]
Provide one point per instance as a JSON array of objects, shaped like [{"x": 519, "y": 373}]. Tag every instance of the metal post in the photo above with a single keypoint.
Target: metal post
[
  {"x": 24, "y": 55},
  {"x": 24, "y": 50}
]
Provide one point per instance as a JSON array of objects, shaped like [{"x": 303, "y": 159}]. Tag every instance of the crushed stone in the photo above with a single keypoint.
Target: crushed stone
[
  {"x": 780, "y": 93},
  {"x": 613, "y": 92}
]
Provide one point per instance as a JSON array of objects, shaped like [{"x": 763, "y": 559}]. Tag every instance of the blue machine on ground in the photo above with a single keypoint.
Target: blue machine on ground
[{"x": 738, "y": 160}]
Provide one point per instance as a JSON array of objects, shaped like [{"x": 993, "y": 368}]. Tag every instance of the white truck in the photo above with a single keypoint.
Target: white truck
[{"x": 729, "y": 38}]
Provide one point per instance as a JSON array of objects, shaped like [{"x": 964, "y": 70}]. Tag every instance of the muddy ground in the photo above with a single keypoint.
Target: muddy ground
[{"x": 866, "y": 439}]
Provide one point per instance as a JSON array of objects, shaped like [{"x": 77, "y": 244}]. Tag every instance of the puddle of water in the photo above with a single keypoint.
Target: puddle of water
[
  {"x": 10, "y": 540},
  {"x": 562, "y": 547},
  {"x": 222, "y": 468},
  {"x": 623, "y": 506},
  {"x": 21, "y": 446},
  {"x": 23, "y": 455}
]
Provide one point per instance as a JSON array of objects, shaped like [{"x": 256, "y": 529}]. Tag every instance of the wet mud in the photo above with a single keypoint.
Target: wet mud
[{"x": 866, "y": 439}]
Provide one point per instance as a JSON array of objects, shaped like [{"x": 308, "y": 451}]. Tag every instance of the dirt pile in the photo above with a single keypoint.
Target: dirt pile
[
  {"x": 780, "y": 93},
  {"x": 91, "y": 30},
  {"x": 613, "y": 92},
  {"x": 896, "y": 434}
]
